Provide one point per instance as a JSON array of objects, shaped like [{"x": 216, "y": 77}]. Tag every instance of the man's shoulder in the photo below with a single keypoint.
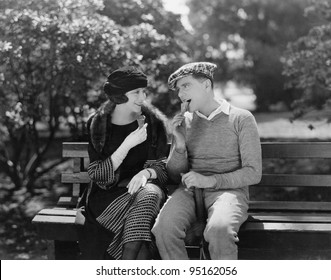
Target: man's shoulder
[{"x": 240, "y": 113}]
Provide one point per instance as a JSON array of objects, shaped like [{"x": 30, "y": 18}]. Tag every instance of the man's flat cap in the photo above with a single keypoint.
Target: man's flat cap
[{"x": 204, "y": 68}]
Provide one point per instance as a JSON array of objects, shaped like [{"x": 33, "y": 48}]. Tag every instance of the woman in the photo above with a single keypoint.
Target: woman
[{"x": 127, "y": 171}]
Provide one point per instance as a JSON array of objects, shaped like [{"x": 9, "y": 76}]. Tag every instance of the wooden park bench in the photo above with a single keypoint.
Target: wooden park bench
[{"x": 281, "y": 229}]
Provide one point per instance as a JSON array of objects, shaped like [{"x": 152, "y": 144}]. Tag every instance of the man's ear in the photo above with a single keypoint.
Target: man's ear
[{"x": 207, "y": 83}]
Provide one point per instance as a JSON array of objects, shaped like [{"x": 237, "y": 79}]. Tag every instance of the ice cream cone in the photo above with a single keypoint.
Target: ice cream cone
[
  {"x": 184, "y": 107},
  {"x": 141, "y": 121}
]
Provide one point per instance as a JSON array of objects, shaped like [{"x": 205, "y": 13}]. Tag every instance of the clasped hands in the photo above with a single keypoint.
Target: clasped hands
[{"x": 194, "y": 179}]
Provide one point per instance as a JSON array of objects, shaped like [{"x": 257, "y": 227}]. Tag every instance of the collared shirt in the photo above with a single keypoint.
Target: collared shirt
[{"x": 224, "y": 107}]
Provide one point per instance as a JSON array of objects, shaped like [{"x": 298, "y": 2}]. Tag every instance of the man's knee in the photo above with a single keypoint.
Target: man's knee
[
  {"x": 223, "y": 231},
  {"x": 168, "y": 226},
  {"x": 163, "y": 224}
]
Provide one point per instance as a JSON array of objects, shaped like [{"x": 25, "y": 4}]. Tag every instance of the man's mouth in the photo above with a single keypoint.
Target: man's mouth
[
  {"x": 185, "y": 105},
  {"x": 187, "y": 100}
]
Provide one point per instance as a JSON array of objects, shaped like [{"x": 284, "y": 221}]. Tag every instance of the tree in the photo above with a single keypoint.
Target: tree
[
  {"x": 169, "y": 50},
  {"x": 308, "y": 62},
  {"x": 246, "y": 38},
  {"x": 54, "y": 57}
]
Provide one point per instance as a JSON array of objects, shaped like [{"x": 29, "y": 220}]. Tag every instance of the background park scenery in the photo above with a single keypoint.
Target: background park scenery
[{"x": 273, "y": 58}]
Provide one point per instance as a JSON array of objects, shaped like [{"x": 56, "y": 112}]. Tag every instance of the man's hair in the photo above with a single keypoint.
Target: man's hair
[{"x": 200, "y": 76}]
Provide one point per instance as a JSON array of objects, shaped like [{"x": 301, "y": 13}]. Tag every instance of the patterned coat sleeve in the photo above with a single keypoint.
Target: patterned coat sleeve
[
  {"x": 159, "y": 165},
  {"x": 100, "y": 169}
]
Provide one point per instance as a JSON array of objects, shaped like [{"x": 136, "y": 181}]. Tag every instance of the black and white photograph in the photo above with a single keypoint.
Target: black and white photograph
[{"x": 159, "y": 131}]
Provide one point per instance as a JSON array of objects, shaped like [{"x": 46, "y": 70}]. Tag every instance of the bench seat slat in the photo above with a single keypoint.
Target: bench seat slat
[
  {"x": 67, "y": 201},
  {"x": 292, "y": 180},
  {"x": 289, "y": 217},
  {"x": 277, "y": 226},
  {"x": 54, "y": 219},
  {"x": 58, "y": 212},
  {"x": 253, "y": 217},
  {"x": 61, "y": 228},
  {"x": 289, "y": 206}
]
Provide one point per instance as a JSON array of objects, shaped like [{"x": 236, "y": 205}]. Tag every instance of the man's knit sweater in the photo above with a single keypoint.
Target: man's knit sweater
[{"x": 226, "y": 147}]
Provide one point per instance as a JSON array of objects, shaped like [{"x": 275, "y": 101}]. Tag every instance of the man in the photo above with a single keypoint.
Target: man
[{"x": 216, "y": 147}]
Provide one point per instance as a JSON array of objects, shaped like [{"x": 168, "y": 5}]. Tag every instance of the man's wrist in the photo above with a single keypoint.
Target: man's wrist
[
  {"x": 213, "y": 182},
  {"x": 180, "y": 150}
]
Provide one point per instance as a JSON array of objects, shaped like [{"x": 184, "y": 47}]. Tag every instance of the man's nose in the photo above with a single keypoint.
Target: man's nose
[{"x": 180, "y": 94}]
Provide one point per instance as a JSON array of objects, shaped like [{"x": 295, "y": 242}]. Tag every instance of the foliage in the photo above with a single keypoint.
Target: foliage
[
  {"x": 308, "y": 62},
  {"x": 169, "y": 53},
  {"x": 54, "y": 57},
  {"x": 246, "y": 38}
]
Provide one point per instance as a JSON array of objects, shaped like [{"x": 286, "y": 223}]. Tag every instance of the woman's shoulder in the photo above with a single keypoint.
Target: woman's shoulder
[
  {"x": 100, "y": 114},
  {"x": 155, "y": 115}
]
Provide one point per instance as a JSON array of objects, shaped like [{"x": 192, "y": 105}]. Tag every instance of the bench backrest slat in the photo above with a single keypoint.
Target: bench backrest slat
[
  {"x": 289, "y": 180},
  {"x": 75, "y": 149},
  {"x": 296, "y": 150},
  {"x": 289, "y": 205},
  {"x": 75, "y": 178}
]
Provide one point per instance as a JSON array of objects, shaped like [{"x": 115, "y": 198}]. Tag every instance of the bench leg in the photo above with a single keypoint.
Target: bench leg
[
  {"x": 50, "y": 250},
  {"x": 204, "y": 252},
  {"x": 62, "y": 250}
]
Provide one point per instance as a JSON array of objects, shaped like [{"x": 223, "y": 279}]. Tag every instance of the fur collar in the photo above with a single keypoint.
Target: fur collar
[{"x": 97, "y": 123}]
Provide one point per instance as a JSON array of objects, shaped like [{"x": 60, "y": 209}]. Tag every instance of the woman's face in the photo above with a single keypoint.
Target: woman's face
[{"x": 136, "y": 99}]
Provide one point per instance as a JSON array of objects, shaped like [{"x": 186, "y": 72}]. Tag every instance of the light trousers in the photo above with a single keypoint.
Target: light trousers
[{"x": 227, "y": 210}]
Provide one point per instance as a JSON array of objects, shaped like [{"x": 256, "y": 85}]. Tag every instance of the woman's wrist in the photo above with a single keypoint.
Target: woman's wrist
[{"x": 149, "y": 173}]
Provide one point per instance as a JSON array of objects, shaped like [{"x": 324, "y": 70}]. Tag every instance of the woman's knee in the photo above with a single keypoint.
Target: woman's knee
[{"x": 152, "y": 190}]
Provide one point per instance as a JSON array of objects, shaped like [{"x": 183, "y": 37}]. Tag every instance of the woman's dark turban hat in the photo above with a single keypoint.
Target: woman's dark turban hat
[{"x": 123, "y": 80}]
